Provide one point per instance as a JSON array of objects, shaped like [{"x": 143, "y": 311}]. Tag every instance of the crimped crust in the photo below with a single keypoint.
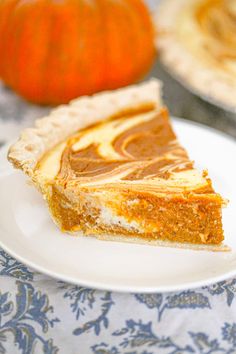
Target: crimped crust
[
  {"x": 80, "y": 113},
  {"x": 194, "y": 73}
]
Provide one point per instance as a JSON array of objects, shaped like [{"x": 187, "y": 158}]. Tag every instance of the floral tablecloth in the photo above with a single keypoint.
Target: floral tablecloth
[{"x": 41, "y": 315}]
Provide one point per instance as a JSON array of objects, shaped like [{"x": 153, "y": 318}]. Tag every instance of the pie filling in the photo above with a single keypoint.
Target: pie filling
[
  {"x": 130, "y": 176},
  {"x": 217, "y": 20},
  {"x": 208, "y": 29}
]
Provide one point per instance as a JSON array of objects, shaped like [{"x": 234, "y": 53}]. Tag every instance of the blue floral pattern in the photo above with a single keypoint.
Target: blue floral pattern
[
  {"x": 137, "y": 335},
  {"x": 18, "y": 317},
  {"x": 183, "y": 300},
  {"x": 83, "y": 299},
  {"x": 10, "y": 267},
  {"x": 41, "y": 315},
  {"x": 227, "y": 288}
]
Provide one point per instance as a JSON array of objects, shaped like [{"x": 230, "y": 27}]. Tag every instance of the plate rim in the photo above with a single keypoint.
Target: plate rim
[
  {"x": 120, "y": 289},
  {"x": 100, "y": 285}
]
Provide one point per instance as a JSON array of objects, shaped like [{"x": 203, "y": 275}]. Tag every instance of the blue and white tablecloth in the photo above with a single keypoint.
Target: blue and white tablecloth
[{"x": 39, "y": 314}]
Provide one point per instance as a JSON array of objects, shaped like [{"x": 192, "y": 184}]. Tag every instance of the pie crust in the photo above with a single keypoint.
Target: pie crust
[
  {"x": 196, "y": 40},
  {"x": 79, "y": 114},
  {"x": 111, "y": 166}
]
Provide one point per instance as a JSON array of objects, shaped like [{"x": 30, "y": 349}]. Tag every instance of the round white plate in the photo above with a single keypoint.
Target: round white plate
[{"x": 29, "y": 235}]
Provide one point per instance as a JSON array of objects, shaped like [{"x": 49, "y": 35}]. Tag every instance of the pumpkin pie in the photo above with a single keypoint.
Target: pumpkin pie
[
  {"x": 196, "y": 40},
  {"x": 110, "y": 165}
]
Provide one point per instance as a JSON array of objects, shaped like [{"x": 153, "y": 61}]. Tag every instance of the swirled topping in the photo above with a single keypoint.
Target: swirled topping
[
  {"x": 217, "y": 20},
  {"x": 208, "y": 28},
  {"x": 135, "y": 150}
]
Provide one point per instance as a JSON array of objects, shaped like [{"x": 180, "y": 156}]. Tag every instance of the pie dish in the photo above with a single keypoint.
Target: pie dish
[
  {"x": 111, "y": 166},
  {"x": 196, "y": 40}
]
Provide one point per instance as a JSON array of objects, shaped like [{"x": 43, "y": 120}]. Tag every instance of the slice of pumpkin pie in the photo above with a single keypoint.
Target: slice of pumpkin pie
[{"x": 110, "y": 165}]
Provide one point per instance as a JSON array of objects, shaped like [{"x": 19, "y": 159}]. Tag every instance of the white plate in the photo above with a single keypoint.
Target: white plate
[{"x": 28, "y": 234}]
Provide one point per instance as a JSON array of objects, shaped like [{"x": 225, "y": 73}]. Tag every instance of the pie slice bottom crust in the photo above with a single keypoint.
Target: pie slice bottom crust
[{"x": 110, "y": 165}]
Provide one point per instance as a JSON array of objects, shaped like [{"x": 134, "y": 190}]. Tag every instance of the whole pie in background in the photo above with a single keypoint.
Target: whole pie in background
[
  {"x": 196, "y": 40},
  {"x": 110, "y": 165}
]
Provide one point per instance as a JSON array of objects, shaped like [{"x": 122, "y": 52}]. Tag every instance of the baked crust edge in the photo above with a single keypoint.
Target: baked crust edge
[
  {"x": 161, "y": 243},
  {"x": 80, "y": 113}
]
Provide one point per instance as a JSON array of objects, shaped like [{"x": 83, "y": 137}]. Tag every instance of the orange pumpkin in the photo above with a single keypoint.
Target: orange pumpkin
[{"x": 54, "y": 50}]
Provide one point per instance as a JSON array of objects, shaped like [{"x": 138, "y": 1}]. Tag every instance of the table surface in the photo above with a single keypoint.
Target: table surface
[{"x": 41, "y": 315}]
